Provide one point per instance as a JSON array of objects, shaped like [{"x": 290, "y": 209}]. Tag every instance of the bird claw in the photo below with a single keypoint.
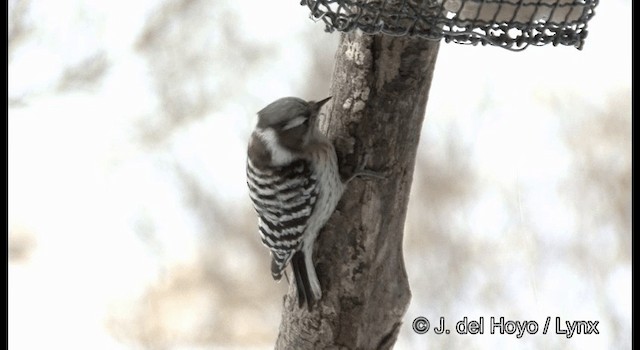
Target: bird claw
[{"x": 361, "y": 171}]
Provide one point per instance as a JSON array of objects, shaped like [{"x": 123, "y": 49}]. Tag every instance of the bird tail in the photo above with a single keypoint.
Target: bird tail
[
  {"x": 300, "y": 274},
  {"x": 305, "y": 294}
]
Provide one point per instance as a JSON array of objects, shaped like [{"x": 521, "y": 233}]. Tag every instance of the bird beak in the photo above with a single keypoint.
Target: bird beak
[{"x": 321, "y": 102}]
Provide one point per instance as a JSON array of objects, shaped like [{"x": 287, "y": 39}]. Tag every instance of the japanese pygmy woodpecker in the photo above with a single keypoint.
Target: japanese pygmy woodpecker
[{"x": 295, "y": 185}]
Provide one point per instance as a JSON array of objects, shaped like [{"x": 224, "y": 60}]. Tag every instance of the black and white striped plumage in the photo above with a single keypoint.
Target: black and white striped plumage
[
  {"x": 294, "y": 183},
  {"x": 284, "y": 198}
]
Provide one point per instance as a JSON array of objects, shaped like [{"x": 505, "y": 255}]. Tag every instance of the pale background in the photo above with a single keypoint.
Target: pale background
[{"x": 130, "y": 225}]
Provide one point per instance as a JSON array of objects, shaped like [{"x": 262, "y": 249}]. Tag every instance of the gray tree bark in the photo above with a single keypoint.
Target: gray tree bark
[{"x": 380, "y": 88}]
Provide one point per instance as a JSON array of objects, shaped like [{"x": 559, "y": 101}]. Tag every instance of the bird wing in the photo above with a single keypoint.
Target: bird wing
[{"x": 284, "y": 198}]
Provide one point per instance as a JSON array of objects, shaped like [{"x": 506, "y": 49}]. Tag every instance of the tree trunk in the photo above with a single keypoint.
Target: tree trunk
[{"x": 380, "y": 89}]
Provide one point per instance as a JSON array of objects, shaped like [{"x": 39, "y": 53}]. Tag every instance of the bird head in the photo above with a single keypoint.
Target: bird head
[{"x": 286, "y": 126}]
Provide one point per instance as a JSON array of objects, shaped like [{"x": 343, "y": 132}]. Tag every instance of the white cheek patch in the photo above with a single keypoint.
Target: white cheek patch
[
  {"x": 294, "y": 122},
  {"x": 279, "y": 155}
]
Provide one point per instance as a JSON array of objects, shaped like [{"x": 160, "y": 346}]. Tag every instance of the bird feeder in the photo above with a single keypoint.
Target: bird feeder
[{"x": 510, "y": 24}]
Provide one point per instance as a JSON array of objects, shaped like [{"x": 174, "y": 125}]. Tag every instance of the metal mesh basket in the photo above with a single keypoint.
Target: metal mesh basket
[{"x": 510, "y": 24}]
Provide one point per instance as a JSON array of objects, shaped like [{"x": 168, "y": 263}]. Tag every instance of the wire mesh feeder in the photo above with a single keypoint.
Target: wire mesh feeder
[{"x": 510, "y": 24}]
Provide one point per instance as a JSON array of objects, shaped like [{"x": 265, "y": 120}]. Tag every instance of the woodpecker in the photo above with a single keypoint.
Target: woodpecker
[{"x": 295, "y": 185}]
